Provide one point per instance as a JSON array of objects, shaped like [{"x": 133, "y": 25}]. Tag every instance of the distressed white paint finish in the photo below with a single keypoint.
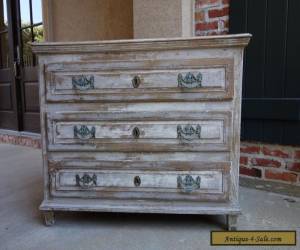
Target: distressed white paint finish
[
  {"x": 140, "y": 206},
  {"x": 211, "y": 181},
  {"x": 210, "y": 130},
  {"x": 158, "y": 131},
  {"x": 156, "y": 107},
  {"x": 137, "y": 45},
  {"x": 211, "y": 78},
  {"x": 160, "y": 108},
  {"x": 83, "y": 156},
  {"x": 158, "y": 80},
  {"x": 120, "y": 184}
]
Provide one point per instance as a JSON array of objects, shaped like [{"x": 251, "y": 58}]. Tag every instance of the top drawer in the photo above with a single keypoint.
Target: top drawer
[{"x": 140, "y": 80}]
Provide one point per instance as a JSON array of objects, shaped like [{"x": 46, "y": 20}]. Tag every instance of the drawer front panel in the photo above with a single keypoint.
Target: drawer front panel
[
  {"x": 144, "y": 80},
  {"x": 202, "y": 132},
  {"x": 181, "y": 185}
]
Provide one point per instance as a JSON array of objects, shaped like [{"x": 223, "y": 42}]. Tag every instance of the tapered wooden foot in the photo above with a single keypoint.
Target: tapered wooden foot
[
  {"x": 231, "y": 222},
  {"x": 49, "y": 218}
]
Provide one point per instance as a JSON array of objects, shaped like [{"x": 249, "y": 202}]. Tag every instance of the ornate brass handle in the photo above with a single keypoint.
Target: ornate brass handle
[
  {"x": 136, "y": 81},
  {"x": 83, "y": 82},
  {"x": 189, "y": 132},
  {"x": 190, "y": 81},
  {"x": 188, "y": 184},
  {"x": 83, "y": 132},
  {"x": 86, "y": 181}
]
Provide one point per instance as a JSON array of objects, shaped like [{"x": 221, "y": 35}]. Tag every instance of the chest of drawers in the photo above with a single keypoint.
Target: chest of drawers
[{"x": 147, "y": 126}]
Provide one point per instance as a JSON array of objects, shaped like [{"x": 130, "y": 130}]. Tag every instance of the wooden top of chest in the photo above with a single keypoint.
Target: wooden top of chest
[{"x": 224, "y": 41}]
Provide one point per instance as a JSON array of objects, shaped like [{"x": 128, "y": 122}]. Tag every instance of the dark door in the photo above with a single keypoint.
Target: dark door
[
  {"x": 8, "y": 101},
  {"x": 271, "y": 88},
  {"x": 21, "y": 23},
  {"x": 30, "y": 29}
]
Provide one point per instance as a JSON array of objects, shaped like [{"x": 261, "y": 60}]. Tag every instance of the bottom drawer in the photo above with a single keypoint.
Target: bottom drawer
[{"x": 174, "y": 185}]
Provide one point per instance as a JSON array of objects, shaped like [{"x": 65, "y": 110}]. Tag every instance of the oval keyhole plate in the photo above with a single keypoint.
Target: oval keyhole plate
[
  {"x": 136, "y": 133},
  {"x": 137, "y": 181}
]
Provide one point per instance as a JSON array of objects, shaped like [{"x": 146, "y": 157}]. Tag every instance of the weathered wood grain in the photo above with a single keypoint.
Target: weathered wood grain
[
  {"x": 158, "y": 132},
  {"x": 139, "y": 206},
  {"x": 198, "y": 157},
  {"x": 158, "y": 80},
  {"x": 223, "y": 41},
  {"x": 98, "y": 172},
  {"x": 119, "y": 184},
  {"x": 112, "y": 80}
]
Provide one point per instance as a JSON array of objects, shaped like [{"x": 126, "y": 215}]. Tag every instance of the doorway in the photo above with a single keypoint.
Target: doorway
[
  {"x": 271, "y": 91},
  {"x": 20, "y": 23}
]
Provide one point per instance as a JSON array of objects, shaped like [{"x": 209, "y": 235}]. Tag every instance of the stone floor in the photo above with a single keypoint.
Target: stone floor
[{"x": 21, "y": 226}]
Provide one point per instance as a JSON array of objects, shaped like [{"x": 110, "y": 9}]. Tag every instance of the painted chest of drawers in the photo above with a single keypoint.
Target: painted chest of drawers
[{"x": 142, "y": 126}]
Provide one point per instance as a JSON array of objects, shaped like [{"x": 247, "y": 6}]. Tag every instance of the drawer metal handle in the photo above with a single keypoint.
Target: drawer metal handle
[
  {"x": 137, "y": 181},
  {"x": 188, "y": 184},
  {"x": 136, "y": 82},
  {"x": 136, "y": 133},
  {"x": 83, "y": 132},
  {"x": 83, "y": 82},
  {"x": 86, "y": 181},
  {"x": 189, "y": 132},
  {"x": 190, "y": 81}
]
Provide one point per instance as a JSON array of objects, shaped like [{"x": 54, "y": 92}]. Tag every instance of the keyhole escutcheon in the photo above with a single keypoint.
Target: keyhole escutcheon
[
  {"x": 136, "y": 133},
  {"x": 137, "y": 181}
]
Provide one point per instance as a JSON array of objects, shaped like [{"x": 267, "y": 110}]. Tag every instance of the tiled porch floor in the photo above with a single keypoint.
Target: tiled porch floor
[{"x": 21, "y": 226}]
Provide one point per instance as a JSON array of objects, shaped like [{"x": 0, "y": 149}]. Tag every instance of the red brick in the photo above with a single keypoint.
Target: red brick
[
  {"x": 243, "y": 160},
  {"x": 265, "y": 162},
  {"x": 20, "y": 140},
  {"x": 250, "y": 149},
  {"x": 218, "y": 12},
  {"x": 207, "y": 26},
  {"x": 206, "y": 3},
  {"x": 275, "y": 152},
  {"x": 297, "y": 154},
  {"x": 282, "y": 176},
  {"x": 294, "y": 166},
  {"x": 254, "y": 172}
]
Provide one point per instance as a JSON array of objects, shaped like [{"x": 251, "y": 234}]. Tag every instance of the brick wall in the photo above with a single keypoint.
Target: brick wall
[
  {"x": 211, "y": 17},
  {"x": 270, "y": 162},
  {"x": 22, "y": 140}
]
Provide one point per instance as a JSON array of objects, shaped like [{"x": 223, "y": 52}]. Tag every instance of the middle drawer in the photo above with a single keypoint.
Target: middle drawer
[{"x": 199, "y": 131}]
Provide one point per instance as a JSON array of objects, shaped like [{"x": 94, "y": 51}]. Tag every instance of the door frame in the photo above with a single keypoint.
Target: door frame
[
  {"x": 19, "y": 118},
  {"x": 13, "y": 69}
]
